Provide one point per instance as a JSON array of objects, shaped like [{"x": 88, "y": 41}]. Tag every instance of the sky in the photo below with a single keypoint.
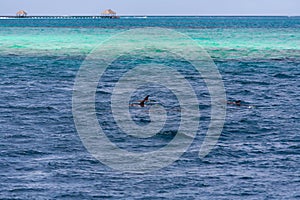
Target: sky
[{"x": 152, "y": 7}]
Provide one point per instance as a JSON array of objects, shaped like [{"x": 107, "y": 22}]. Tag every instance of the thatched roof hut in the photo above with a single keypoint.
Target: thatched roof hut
[
  {"x": 21, "y": 13},
  {"x": 108, "y": 12}
]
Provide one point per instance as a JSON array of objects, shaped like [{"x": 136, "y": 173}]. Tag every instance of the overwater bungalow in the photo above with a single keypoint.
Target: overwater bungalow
[
  {"x": 109, "y": 14},
  {"x": 21, "y": 13}
]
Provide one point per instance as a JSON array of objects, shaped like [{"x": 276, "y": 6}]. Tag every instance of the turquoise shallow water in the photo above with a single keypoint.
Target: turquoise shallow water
[{"x": 257, "y": 155}]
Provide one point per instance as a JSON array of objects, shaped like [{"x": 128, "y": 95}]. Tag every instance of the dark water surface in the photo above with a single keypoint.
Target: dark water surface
[{"x": 257, "y": 155}]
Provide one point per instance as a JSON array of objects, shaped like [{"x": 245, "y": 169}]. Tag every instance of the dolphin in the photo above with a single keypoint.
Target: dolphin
[
  {"x": 141, "y": 102},
  {"x": 146, "y": 99}
]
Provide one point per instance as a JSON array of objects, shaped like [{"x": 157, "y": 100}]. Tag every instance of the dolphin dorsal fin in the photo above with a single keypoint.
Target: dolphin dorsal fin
[{"x": 142, "y": 104}]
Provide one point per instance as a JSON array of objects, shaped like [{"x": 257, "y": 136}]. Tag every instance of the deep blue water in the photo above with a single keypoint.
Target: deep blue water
[
  {"x": 167, "y": 22},
  {"x": 257, "y": 155}
]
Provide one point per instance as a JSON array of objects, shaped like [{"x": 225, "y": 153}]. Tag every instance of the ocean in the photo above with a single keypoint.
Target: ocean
[{"x": 44, "y": 156}]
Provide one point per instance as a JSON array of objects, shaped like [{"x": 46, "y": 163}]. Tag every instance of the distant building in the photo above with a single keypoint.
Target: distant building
[
  {"x": 21, "y": 13},
  {"x": 109, "y": 14}
]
